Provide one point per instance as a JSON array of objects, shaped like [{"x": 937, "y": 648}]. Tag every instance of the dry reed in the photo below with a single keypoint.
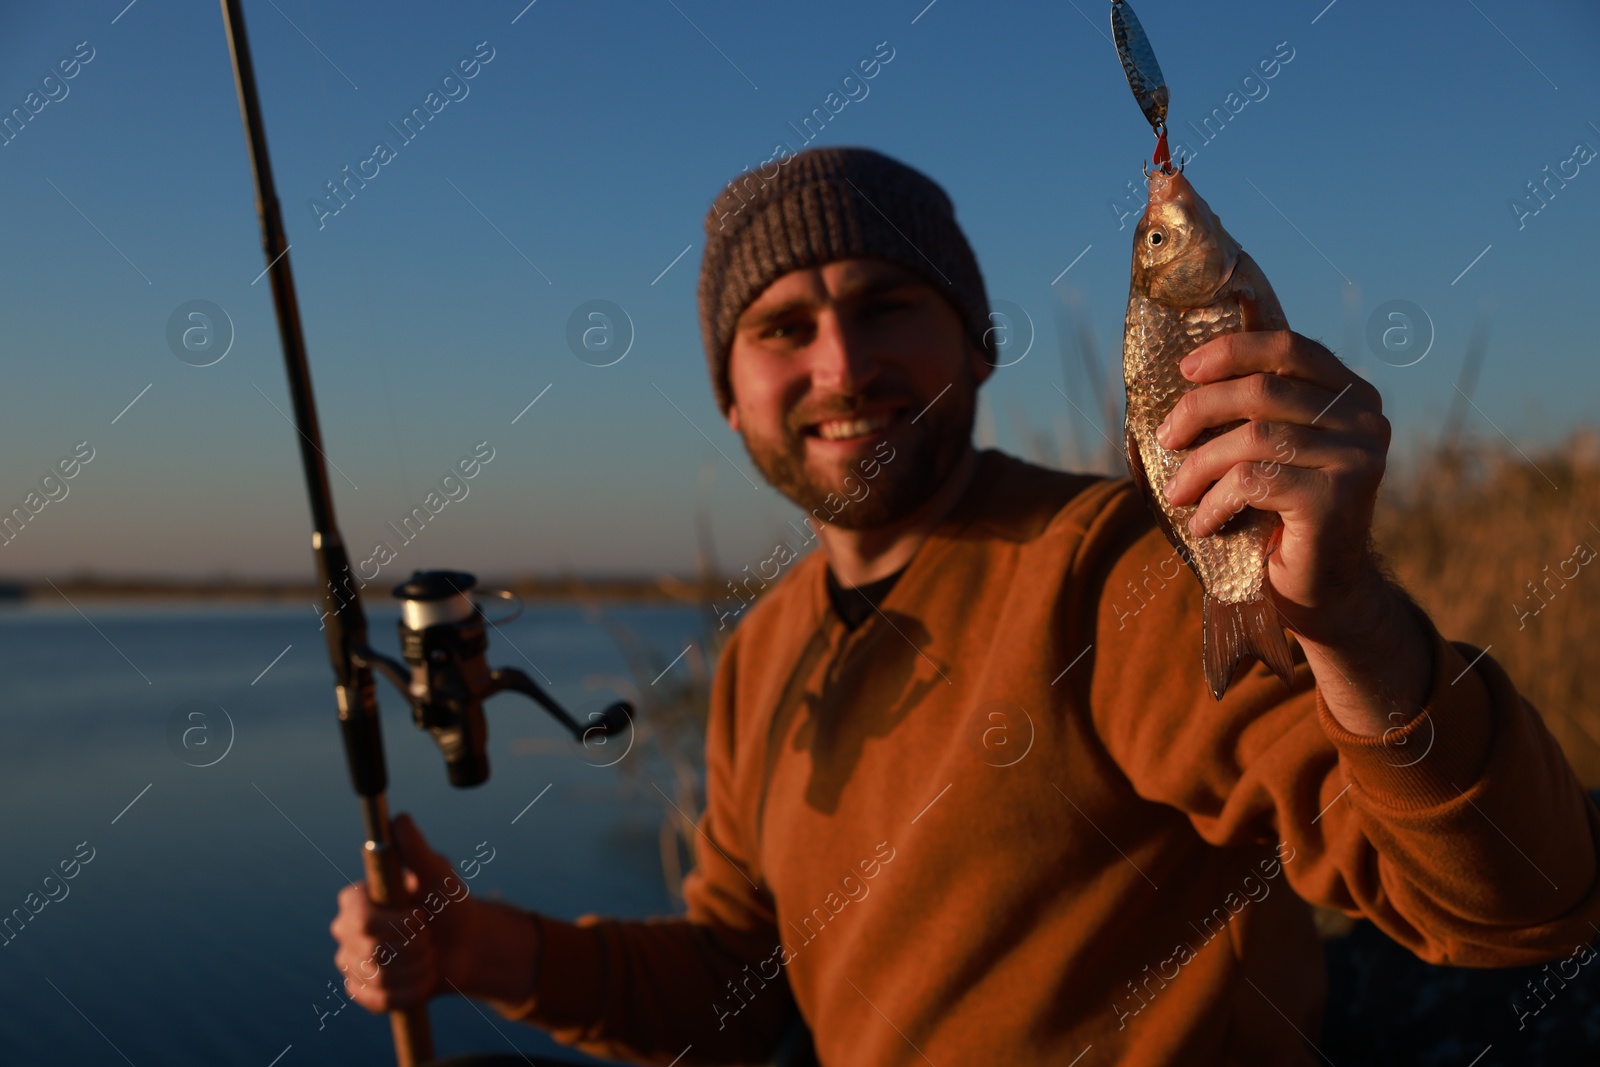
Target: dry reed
[{"x": 1491, "y": 543}]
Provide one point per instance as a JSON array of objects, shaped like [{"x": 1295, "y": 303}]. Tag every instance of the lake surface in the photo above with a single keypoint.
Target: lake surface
[{"x": 197, "y": 933}]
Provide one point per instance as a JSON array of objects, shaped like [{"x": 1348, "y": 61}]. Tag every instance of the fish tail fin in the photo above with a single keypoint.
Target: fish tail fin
[{"x": 1233, "y": 631}]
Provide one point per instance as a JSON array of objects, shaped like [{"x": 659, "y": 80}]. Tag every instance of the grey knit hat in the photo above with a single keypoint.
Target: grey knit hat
[{"x": 823, "y": 204}]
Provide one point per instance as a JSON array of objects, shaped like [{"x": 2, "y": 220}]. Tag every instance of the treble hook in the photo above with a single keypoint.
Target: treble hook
[{"x": 1165, "y": 168}]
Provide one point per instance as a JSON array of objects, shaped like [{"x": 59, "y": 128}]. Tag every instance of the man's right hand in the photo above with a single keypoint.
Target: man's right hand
[{"x": 400, "y": 955}]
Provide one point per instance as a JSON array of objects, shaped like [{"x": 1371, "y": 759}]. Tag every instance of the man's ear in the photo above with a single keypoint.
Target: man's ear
[
  {"x": 978, "y": 360},
  {"x": 732, "y": 414}
]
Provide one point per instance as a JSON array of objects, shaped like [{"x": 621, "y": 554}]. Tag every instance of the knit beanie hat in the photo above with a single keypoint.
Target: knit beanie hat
[{"x": 823, "y": 204}]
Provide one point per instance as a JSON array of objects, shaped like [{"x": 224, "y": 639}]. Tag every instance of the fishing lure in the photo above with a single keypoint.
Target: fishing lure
[{"x": 1144, "y": 75}]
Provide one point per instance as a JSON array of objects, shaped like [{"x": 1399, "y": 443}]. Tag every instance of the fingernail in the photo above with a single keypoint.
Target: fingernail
[{"x": 1161, "y": 431}]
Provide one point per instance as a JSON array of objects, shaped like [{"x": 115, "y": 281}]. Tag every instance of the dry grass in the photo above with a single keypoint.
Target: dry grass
[
  {"x": 670, "y": 707},
  {"x": 1471, "y": 531}
]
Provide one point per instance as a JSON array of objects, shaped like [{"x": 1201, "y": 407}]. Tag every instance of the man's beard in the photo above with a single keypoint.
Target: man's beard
[{"x": 901, "y": 484}]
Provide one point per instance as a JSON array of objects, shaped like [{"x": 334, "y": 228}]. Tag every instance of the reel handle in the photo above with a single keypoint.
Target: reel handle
[{"x": 615, "y": 719}]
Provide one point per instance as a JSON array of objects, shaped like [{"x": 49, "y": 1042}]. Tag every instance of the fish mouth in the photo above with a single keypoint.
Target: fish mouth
[{"x": 1170, "y": 185}]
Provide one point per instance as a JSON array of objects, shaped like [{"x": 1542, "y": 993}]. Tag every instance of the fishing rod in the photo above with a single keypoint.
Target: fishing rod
[{"x": 445, "y": 677}]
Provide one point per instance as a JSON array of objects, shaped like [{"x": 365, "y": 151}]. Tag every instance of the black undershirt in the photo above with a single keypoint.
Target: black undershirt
[{"x": 853, "y": 605}]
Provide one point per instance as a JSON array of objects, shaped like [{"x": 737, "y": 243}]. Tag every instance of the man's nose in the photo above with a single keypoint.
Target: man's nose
[{"x": 842, "y": 359}]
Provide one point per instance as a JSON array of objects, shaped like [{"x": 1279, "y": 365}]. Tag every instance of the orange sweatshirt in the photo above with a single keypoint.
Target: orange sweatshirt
[{"x": 1003, "y": 822}]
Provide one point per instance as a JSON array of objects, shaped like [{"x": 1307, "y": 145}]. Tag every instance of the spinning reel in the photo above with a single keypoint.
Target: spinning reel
[{"x": 446, "y": 676}]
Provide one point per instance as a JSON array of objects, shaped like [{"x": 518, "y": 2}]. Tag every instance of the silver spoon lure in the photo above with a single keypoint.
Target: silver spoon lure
[{"x": 1144, "y": 75}]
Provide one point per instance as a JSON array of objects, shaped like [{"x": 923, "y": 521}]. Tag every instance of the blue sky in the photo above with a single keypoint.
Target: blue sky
[{"x": 1376, "y": 165}]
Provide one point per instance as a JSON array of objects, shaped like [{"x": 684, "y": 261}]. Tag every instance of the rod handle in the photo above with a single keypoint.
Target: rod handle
[{"x": 413, "y": 1037}]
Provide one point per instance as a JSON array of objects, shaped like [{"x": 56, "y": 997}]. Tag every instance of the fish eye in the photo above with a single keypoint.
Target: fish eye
[{"x": 1156, "y": 237}]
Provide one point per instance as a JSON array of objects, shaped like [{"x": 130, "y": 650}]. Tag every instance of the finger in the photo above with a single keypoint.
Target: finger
[
  {"x": 364, "y": 994},
  {"x": 358, "y": 956},
  {"x": 362, "y": 976},
  {"x": 370, "y": 925},
  {"x": 369, "y": 997},
  {"x": 1254, "y": 442},
  {"x": 353, "y": 898},
  {"x": 1275, "y": 352},
  {"x": 407, "y": 975},
  {"x": 1262, "y": 397},
  {"x": 389, "y": 996},
  {"x": 354, "y": 907},
  {"x": 355, "y": 963},
  {"x": 415, "y": 852},
  {"x": 1249, "y": 485},
  {"x": 407, "y": 832},
  {"x": 379, "y": 1000}
]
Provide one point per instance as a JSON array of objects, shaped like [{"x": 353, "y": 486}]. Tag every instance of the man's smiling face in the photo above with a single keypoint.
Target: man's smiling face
[{"x": 830, "y": 364}]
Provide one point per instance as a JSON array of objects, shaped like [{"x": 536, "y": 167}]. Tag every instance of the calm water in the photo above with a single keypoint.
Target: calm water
[{"x": 197, "y": 934}]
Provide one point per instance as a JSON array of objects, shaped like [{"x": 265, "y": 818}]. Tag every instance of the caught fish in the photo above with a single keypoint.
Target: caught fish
[{"x": 1192, "y": 282}]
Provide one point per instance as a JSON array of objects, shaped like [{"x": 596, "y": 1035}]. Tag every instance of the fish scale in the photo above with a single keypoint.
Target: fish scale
[{"x": 1231, "y": 564}]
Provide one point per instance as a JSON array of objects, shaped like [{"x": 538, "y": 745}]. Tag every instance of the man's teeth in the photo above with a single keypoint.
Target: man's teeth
[{"x": 839, "y": 429}]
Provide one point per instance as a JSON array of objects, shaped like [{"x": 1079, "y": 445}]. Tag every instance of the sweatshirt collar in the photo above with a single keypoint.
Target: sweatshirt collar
[{"x": 923, "y": 566}]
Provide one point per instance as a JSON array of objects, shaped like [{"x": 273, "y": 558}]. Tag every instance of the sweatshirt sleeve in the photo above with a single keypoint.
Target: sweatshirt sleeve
[
  {"x": 1462, "y": 833},
  {"x": 649, "y": 990}
]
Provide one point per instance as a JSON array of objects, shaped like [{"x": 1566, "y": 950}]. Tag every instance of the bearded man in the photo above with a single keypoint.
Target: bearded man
[{"x": 968, "y": 798}]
